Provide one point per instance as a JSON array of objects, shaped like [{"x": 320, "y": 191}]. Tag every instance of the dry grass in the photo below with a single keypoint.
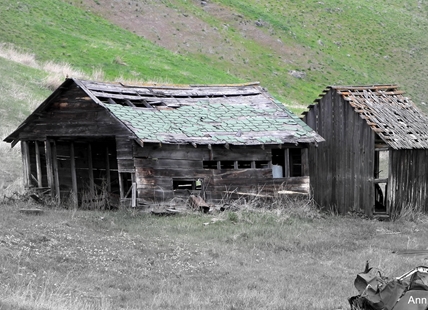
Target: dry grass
[
  {"x": 57, "y": 72},
  {"x": 246, "y": 259}
]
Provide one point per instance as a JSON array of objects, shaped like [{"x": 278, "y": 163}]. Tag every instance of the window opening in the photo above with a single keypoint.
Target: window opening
[
  {"x": 210, "y": 164},
  {"x": 262, "y": 164},
  {"x": 279, "y": 163},
  {"x": 381, "y": 164},
  {"x": 245, "y": 164},
  {"x": 295, "y": 162},
  {"x": 126, "y": 181},
  {"x": 227, "y": 164}
]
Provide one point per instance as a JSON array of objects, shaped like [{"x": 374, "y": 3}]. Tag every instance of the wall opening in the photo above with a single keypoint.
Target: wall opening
[
  {"x": 85, "y": 170},
  {"x": 381, "y": 172},
  {"x": 179, "y": 184},
  {"x": 295, "y": 162},
  {"x": 289, "y": 160}
]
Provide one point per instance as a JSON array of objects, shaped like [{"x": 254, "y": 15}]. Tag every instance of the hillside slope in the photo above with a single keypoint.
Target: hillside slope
[
  {"x": 294, "y": 48},
  {"x": 21, "y": 91}
]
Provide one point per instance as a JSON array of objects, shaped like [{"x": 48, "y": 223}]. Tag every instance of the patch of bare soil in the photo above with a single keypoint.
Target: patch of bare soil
[{"x": 183, "y": 32}]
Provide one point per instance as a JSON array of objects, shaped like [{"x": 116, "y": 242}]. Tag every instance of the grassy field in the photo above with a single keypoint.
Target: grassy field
[{"x": 292, "y": 257}]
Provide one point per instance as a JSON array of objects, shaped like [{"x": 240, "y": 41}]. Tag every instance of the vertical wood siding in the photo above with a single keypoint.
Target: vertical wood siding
[
  {"x": 408, "y": 180},
  {"x": 341, "y": 168}
]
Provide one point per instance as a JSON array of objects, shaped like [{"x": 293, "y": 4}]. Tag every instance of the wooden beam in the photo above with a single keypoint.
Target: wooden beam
[
  {"x": 73, "y": 175},
  {"x": 25, "y": 151},
  {"x": 55, "y": 172},
  {"x": 38, "y": 165},
  {"x": 128, "y": 102},
  {"x": 49, "y": 166}
]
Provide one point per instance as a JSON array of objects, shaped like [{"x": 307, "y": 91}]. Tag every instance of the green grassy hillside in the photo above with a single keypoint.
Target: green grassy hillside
[
  {"x": 21, "y": 90},
  {"x": 294, "y": 48},
  {"x": 56, "y": 30}
]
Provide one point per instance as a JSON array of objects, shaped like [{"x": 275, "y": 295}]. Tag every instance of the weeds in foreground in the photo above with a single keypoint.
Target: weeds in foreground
[
  {"x": 248, "y": 259},
  {"x": 410, "y": 213}
]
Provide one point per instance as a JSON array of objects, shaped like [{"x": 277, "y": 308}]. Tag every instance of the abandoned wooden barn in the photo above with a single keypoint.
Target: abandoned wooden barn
[
  {"x": 375, "y": 155},
  {"x": 159, "y": 142}
]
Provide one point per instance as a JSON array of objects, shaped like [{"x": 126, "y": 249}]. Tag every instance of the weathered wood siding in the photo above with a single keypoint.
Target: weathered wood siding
[
  {"x": 73, "y": 114},
  {"x": 156, "y": 167},
  {"x": 408, "y": 180},
  {"x": 341, "y": 168},
  {"x": 87, "y": 146}
]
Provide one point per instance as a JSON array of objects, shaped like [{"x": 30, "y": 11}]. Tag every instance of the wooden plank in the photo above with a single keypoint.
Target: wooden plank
[
  {"x": 57, "y": 192},
  {"x": 125, "y": 165},
  {"x": 368, "y": 172},
  {"x": 38, "y": 165},
  {"x": 49, "y": 166},
  {"x": 162, "y": 163},
  {"x": 124, "y": 148},
  {"x": 25, "y": 150},
  {"x": 201, "y": 153},
  {"x": 107, "y": 90},
  {"x": 342, "y": 171},
  {"x": 74, "y": 192}
]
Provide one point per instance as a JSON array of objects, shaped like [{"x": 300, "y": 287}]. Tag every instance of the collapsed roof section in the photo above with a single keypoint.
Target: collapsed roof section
[{"x": 391, "y": 115}]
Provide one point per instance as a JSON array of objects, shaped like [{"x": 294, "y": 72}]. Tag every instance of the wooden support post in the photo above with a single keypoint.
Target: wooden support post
[
  {"x": 73, "y": 175},
  {"x": 211, "y": 151},
  {"x": 134, "y": 195},
  {"x": 286, "y": 163},
  {"x": 55, "y": 172},
  {"x": 121, "y": 189},
  {"x": 91, "y": 172},
  {"x": 25, "y": 150},
  {"x": 49, "y": 166},
  {"x": 38, "y": 165},
  {"x": 108, "y": 171}
]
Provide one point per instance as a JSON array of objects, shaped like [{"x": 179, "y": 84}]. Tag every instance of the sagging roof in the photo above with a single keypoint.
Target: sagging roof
[
  {"x": 394, "y": 117},
  {"x": 242, "y": 114}
]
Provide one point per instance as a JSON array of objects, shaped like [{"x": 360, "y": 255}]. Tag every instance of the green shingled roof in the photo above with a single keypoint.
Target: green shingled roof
[
  {"x": 212, "y": 123},
  {"x": 234, "y": 114}
]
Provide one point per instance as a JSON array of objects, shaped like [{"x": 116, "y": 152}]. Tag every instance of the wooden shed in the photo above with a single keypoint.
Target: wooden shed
[
  {"x": 151, "y": 142},
  {"x": 375, "y": 155}
]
